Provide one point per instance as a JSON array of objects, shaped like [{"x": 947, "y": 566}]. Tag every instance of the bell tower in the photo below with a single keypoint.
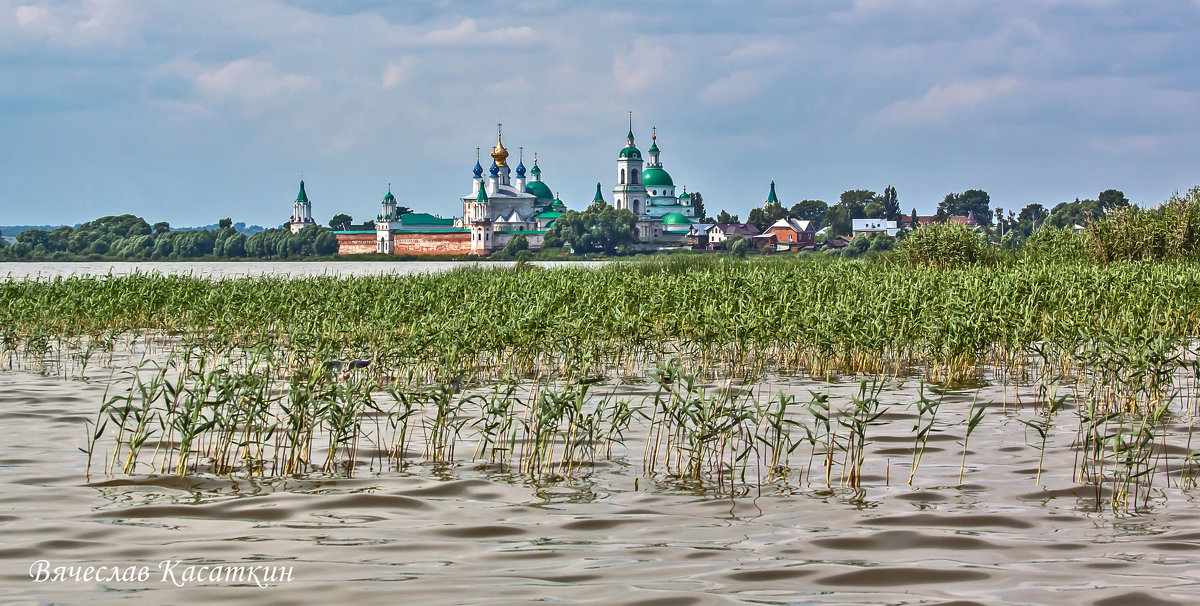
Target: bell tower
[{"x": 630, "y": 192}]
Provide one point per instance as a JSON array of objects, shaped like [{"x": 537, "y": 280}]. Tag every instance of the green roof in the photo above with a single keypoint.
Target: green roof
[
  {"x": 548, "y": 214},
  {"x": 539, "y": 189},
  {"x": 535, "y": 170},
  {"x": 354, "y": 231},
  {"x": 599, "y": 196},
  {"x": 412, "y": 219},
  {"x": 772, "y": 197},
  {"x": 685, "y": 196},
  {"x": 482, "y": 195},
  {"x": 431, "y": 230},
  {"x": 630, "y": 152},
  {"x": 654, "y": 146},
  {"x": 302, "y": 197},
  {"x": 657, "y": 177},
  {"x": 389, "y": 197},
  {"x": 524, "y": 233},
  {"x": 675, "y": 219}
]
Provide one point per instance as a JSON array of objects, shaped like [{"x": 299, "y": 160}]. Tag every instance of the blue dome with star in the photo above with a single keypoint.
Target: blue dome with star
[
  {"x": 521, "y": 170},
  {"x": 494, "y": 170},
  {"x": 478, "y": 172}
]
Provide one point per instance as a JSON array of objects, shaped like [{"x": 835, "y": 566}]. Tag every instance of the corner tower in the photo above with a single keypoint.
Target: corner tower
[{"x": 301, "y": 211}]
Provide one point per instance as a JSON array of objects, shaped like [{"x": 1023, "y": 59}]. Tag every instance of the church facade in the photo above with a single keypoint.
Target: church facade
[
  {"x": 504, "y": 202},
  {"x": 648, "y": 191}
]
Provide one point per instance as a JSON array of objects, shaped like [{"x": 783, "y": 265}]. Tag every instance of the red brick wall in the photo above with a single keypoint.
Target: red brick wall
[
  {"x": 408, "y": 244},
  {"x": 355, "y": 244},
  {"x": 783, "y": 235},
  {"x": 433, "y": 244}
]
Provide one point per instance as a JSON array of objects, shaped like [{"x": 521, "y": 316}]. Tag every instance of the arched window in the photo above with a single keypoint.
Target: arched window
[
  {"x": 655, "y": 192},
  {"x": 622, "y": 176},
  {"x": 633, "y": 176}
]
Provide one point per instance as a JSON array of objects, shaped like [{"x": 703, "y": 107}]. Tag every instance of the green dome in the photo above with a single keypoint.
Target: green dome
[
  {"x": 675, "y": 219},
  {"x": 685, "y": 196},
  {"x": 539, "y": 190},
  {"x": 657, "y": 176},
  {"x": 630, "y": 152},
  {"x": 389, "y": 197}
]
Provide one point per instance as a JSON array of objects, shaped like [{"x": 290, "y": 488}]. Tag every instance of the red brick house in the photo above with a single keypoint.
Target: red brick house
[{"x": 791, "y": 234}]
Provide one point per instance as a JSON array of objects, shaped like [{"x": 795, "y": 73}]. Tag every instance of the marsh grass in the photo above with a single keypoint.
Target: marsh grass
[{"x": 514, "y": 369}]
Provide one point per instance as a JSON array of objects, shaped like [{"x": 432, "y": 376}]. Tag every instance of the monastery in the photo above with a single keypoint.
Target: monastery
[{"x": 506, "y": 202}]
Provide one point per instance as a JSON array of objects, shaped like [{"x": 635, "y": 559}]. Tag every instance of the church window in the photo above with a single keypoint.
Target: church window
[
  {"x": 633, "y": 176},
  {"x": 655, "y": 192},
  {"x": 622, "y": 176}
]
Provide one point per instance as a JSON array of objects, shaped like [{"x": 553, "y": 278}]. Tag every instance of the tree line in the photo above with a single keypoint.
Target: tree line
[
  {"x": 131, "y": 237},
  {"x": 866, "y": 204}
]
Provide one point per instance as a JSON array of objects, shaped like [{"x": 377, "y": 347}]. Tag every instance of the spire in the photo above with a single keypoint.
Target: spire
[
  {"x": 654, "y": 139},
  {"x": 599, "y": 196},
  {"x": 772, "y": 198},
  {"x": 302, "y": 196},
  {"x": 478, "y": 171},
  {"x": 629, "y": 137},
  {"x": 535, "y": 171},
  {"x": 499, "y": 154},
  {"x": 482, "y": 196}
]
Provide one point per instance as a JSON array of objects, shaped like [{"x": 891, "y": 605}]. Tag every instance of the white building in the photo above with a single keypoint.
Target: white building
[
  {"x": 650, "y": 193},
  {"x": 875, "y": 226}
]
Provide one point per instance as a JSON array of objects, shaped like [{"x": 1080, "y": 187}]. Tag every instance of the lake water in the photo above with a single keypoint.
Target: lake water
[
  {"x": 257, "y": 268},
  {"x": 467, "y": 533}
]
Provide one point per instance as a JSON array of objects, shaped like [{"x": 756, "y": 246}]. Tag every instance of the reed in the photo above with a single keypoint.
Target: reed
[{"x": 513, "y": 368}]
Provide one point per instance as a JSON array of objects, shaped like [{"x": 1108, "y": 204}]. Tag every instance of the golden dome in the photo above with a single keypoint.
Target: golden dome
[{"x": 499, "y": 154}]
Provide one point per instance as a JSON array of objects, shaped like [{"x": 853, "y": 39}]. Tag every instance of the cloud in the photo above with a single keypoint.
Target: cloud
[
  {"x": 77, "y": 25},
  {"x": 736, "y": 86},
  {"x": 35, "y": 18},
  {"x": 252, "y": 81},
  {"x": 943, "y": 102},
  {"x": 513, "y": 85},
  {"x": 640, "y": 66},
  {"x": 757, "y": 52},
  {"x": 397, "y": 72},
  {"x": 468, "y": 32}
]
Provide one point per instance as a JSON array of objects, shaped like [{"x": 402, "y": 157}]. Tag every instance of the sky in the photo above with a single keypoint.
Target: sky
[{"x": 187, "y": 112}]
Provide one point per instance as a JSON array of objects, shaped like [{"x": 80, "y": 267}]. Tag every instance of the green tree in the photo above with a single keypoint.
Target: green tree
[
  {"x": 874, "y": 210},
  {"x": 223, "y": 223},
  {"x": 855, "y": 201},
  {"x": 697, "y": 205},
  {"x": 600, "y": 228},
  {"x": 810, "y": 210},
  {"x": 162, "y": 227},
  {"x": 341, "y": 221},
  {"x": 515, "y": 244},
  {"x": 974, "y": 201},
  {"x": 235, "y": 246},
  {"x": 891, "y": 204},
  {"x": 1112, "y": 199},
  {"x": 738, "y": 246},
  {"x": 882, "y": 242},
  {"x": 760, "y": 217},
  {"x": 1032, "y": 216},
  {"x": 325, "y": 243},
  {"x": 839, "y": 221},
  {"x": 725, "y": 217}
]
